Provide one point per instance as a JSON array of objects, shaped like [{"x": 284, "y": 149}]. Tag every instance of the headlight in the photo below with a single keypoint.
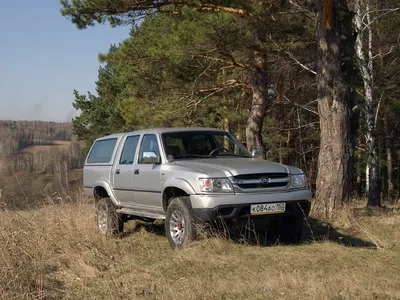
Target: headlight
[
  {"x": 299, "y": 181},
  {"x": 215, "y": 185}
]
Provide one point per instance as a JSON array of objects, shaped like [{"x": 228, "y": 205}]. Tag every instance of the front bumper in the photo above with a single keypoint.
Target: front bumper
[{"x": 207, "y": 208}]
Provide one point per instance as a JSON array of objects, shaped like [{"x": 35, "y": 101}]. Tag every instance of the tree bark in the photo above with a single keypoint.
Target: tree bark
[
  {"x": 334, "y": 84},
  {"x": 391, "y": 198},
  {"x": 389, "y": 163},
  {"x": 280, "y": 152},
  {"x": 364, "y": 58},
  {"x": 259, "y": 102},
  {"x": 359, "y": 171}
]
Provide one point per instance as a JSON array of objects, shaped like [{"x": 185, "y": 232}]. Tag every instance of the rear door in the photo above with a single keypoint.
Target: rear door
[
  {"x": 123, "y": 169},
  {"x": 146, "y": 180},
  {"x": 99, "y": 162}
]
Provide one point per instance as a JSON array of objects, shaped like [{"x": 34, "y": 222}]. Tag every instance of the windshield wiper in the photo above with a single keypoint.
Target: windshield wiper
[
  {"x": 192, "y": 156},
  {"x": 232, "y": 154}
]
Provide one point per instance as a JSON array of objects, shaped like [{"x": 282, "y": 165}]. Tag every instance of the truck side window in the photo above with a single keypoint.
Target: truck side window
[
  {"x": 128, "y": 153},
  {"x": 149, "y": 144},
  {"x": 102, "y": 151}
]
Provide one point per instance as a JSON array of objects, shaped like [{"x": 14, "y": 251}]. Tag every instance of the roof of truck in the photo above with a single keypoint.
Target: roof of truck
[{"x": 161, "y": 130}]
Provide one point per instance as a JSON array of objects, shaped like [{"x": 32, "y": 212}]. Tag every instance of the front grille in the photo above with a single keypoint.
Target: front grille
[
  {"x": 259, "y": 185},
  {"x": 262, "y": 181},
  {"x": 261, "y": 175}
]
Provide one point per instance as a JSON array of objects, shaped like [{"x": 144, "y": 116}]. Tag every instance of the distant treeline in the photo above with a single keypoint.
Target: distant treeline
[{"x": 16, "y": 135}]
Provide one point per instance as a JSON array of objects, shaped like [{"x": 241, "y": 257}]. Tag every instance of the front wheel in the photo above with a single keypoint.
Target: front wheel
[
  {"x": 109, "y": 222},
  {"x": 179, "y": 223}
]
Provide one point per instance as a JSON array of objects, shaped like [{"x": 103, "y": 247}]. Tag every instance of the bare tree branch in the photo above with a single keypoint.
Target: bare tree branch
[
  {"x": 228, "y": 63},
  {"x": 368, "y": 12},
  {"x": 299, "y": 105},
  {"x": 292, "y": 56},
  {"x": 377, "y": 109}
]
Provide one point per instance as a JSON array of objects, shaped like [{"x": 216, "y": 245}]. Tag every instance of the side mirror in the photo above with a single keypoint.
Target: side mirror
[
  {"x": 256, "y": 153},
  {"x": 151, "y": 158}
]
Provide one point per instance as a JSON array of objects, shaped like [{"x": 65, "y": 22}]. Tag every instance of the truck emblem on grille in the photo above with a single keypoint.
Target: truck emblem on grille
[{"x": 265, "y": 180}]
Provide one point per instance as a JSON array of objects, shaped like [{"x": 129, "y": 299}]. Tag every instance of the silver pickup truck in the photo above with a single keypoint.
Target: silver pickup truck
[{"x": 192, "y": 176}]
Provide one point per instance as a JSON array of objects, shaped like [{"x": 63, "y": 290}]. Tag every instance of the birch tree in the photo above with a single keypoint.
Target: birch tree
[{"x": 364, "y": 54}]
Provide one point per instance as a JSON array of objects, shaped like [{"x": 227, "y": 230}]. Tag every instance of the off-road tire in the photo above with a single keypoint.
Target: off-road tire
[
  {"x": 179, "y": 223},
  {"x": 109, "y": 222}
]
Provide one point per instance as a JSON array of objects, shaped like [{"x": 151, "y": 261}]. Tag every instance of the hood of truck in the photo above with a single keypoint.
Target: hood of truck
[{"x": 226, "y": 167}]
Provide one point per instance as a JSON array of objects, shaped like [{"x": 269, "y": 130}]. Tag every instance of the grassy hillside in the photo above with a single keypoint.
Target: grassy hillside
[
  {"x": 33, "y": 149},
  {"x": 41, "y": 174},
  {"x": 57, "y": 253},
  {"x": 17, "y": 135}
]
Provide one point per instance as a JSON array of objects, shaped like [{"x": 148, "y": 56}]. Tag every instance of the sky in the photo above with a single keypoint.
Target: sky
[{"x": 44, "y": 57}]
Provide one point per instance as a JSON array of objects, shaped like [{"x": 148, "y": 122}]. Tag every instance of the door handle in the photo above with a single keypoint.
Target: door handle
[
  {"x": 117, "y": 171},
  {"x": 136, "y": 172}
]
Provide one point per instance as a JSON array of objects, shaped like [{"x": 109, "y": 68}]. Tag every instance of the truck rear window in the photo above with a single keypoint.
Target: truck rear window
[{"x": 102, "y": 151}]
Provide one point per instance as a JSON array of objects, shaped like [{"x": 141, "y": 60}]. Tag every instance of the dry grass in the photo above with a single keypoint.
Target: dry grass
[
  {"x": 25, "y": 190},
  {"x": 3, "y": 165},
  {"x": 62, "y": 145},
  {"x": 57, "y": 253}
]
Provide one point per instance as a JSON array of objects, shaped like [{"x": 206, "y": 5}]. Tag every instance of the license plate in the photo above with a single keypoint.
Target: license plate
[{"x": 267, "y": 209}]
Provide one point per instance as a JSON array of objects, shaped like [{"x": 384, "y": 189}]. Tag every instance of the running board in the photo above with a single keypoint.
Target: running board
[{"x": 139, "y": 213}]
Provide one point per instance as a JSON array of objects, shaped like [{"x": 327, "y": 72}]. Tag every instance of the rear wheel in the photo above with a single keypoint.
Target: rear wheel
[
  {"x": 109, "y": 222},
  {"x": 179, "y": 223}
]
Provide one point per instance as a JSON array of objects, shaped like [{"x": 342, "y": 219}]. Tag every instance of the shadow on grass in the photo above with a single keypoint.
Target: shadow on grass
[
  {"x": 314, "y": 231},
  {"x": 156, "y": 227},
  {"x": 323, "y": 231}
]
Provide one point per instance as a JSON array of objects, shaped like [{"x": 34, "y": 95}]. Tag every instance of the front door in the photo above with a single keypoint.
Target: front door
[
  {"x": 123, "y": 170},
  {"x": 146, "y": 179}
]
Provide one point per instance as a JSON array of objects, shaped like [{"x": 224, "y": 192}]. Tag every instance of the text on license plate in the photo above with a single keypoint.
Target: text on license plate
[{"x": 268, "y": 208}]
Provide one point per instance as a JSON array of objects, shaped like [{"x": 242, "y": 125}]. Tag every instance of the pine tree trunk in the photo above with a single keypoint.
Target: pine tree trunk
[
  {"x": 334, "y": 73},
  {"x": 389, "y": 174},
  {"x": 389, "y": 163},
  {"x": 227, "y": 128},
  {"x": 259, "y": 103},
  {"x": 280, "y": 152}
]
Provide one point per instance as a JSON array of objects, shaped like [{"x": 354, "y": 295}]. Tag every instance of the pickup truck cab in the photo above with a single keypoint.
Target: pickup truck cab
[{"x": 191, "y": 176}]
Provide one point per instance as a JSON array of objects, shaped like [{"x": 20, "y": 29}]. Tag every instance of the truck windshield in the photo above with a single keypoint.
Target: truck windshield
[{"x": 198, "y": 144}]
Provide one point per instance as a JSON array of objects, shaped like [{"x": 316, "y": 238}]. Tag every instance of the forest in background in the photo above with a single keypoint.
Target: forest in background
[
  {"x": 17, "y": 135},
  {"x": 314, "y": 83},
  {"x": 39, "y": 163}
]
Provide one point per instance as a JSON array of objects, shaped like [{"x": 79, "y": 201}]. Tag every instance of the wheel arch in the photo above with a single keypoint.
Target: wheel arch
[
  {"x": 102, "y": 189},
  {"x": 175, "y": 188}
]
